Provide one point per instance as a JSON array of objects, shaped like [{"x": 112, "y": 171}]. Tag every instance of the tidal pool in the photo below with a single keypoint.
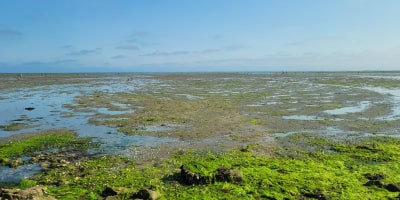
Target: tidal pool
[
  {"x": 50, "y": 111},
  {"x": 302, "y": 117},
  {"x": 393, "y": 98},
  {"x": 362, "y": 106}
]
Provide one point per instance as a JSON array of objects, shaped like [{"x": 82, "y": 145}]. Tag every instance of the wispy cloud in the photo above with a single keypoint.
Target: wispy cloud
[
  {"x": 206, "y": 51},
  {"x": 137, "y": 37},
  {"x": 222, "y": 49},
  {"x": 164, "y": 53},
  {"x": 133, "y": 42},
  {"x": 217, "y": 37},
  {"x": 118, "y": 57},
  {"x": 85, "y": 52},
  {"x": 128, "y": 47},
  {"x": 233, "y": 47},
  {"x": 66, "y": 46},
  {"x": 10, "y": 33},
  {"x": 137, "y": 34},
  {"x": 65, "y": 61}
]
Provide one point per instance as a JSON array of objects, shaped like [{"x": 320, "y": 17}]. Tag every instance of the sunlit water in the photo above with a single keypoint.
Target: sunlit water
[{"x": 49, "y": 112}]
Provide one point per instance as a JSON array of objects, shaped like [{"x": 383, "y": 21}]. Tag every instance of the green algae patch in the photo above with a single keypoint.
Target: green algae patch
[
  {"x": 347, "y": 171},
  {"x": 88, "y": 179},
  {"x": 361, "y": 81},
  {"x": 27, "y": 144},
  {"x": 14, "y": 127}
]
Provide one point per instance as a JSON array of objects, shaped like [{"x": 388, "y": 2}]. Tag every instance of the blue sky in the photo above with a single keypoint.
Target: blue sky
[{"x": 198, "y": 35}]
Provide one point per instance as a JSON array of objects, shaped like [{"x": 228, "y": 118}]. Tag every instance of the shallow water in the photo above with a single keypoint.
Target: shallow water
[
  {"x": 112, "y": 112},
  {"x": 394, "y": 98},
  {"x": 15, "y": 175},
  {"x": 288, "y": 104},
  {"x": 362, "y": 106},
  {"x": 50, "y": 113},
  {"x": 302, "y": 117}
]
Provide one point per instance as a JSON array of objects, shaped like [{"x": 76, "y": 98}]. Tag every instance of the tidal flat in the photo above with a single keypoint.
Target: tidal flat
[{"x": 303, "y": 135}]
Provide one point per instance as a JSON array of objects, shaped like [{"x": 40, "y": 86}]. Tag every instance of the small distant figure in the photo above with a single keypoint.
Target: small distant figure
[{"x": 20, "y": 77}]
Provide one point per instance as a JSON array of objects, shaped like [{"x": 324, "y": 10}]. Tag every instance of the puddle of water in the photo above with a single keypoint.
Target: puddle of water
[
  {"x": 189, "y": 96},
  {"x": 8, "y": 79},
  {"x": 163, "y": 127},
  {"x": 121, "y": 105},
  {"x": 393, "y": 77},
  {"x": 114, "y": 142},
  {"x": 269, "y": 103},
  {"x": 395, "y": 102},
  {"x": 50, "y": 113},
  {"x": 47, "y": 99},
  {"x": 277, "y": 135},
  {"x": 112, "y": 112},
  {"x": 363, "y": 105},
  {"x": 255, "y": 105},
  {"x": 302, "y": 117},
  {"x": 42, "y": 116},
  {"x": 111, "y": 119},
  {"x": 16, "y": 175},
  {"x": 156, "y": 128}
]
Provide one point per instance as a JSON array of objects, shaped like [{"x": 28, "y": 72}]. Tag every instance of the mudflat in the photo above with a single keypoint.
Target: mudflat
[{"x": 170, "y": 119}]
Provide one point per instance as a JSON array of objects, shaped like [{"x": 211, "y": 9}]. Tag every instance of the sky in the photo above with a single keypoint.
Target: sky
[{"x": 198, "y": 35}]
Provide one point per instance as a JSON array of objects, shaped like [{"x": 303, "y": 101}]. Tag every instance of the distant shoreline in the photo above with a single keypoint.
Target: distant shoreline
[{"x": 206, "y": 72}]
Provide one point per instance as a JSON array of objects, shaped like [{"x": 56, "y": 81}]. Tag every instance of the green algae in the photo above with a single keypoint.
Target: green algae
[
  {"x": 27, "y": 144},
  {"x": 80, "y": 179},
  {"x": 210, "y": 105},
  {"x": 337, "y": 174},
  {"x": 362, "y": 82},
  {"x": 307, "y": 167},
  {"x": 15, "y": 127}
]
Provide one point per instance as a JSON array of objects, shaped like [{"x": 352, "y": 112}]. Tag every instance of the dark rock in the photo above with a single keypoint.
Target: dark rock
[
  {"x": 228, "y": 175},
  {"x": 113, "y": 191},
  {"x": 61, "y": 182},
  {"x": 190, "y": 178},
  {"x": 146, "y": 194},
  {"x": 112, "y": 198},
  {"x": 33, "y": 193},
  {"x": 368, "y": 148},
  {"x": 374, "y": 183},
  {"x": 393, "y": 187},
  {"x": 4, "y": 161},
  {"x": 108, "y": 192},
  {"x": 45, "y": 165},
  {"x": 37, "y": 158},
  {"x": 16, "y": 163},
  {"x": 317, "y": 194},
  {"x": 374, "y": 177},
  {"x": 282, "y": 171}
]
